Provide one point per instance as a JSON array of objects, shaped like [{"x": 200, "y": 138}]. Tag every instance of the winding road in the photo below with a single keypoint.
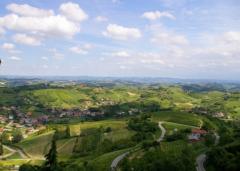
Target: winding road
[
  {"x": 119, "y": 158},
  {"x": 163, "y": 132},
  {"x": 202, "y": 157},
  {"x": 200, "y": 162}
]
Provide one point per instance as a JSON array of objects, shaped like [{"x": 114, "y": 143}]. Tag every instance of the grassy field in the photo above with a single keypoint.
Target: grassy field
[
  {"x": 6, "y": 151},
  {"x": 6, "y": 165},
  {"x": 65, "y": 147},
  {"x": 38, "y": 145},
  {"x": 14, "y": 156},
  {"x": 171, "y": 127},
  {"x": 176, "y": 147},
  {"x": 81, "y": 97},
  {"x": 60, "y": 98},
  {"x": 178, "y": 117},
  {"x": 119, "y": 128}
]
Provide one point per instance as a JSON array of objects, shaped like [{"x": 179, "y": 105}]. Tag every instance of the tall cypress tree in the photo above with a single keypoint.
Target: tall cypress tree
[
  {"x": 68, "y": 132},
  {"x": 51, "y": 163}
]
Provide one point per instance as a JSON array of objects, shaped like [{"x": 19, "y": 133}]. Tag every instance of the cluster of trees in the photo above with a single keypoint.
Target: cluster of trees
[
  {"x": 11, "y": 137},
  {"x": 224, "y": 158},
  {"x": 144, "y": 127},
  {"x": 159, "y": 160},
  {"x": 177, "y": 135}
]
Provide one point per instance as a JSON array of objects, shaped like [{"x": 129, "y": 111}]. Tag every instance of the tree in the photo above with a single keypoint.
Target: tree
[
  {"x": 51, "y": 163},
  {"x": 28, "y": 167},
  {"x": 6, "y": 138},
  {"x": 108, "y": 129},
  {"x": 17, "y": 136},
  {"x": 68, "y": 132},
  {"x": 209, "y": 140}
]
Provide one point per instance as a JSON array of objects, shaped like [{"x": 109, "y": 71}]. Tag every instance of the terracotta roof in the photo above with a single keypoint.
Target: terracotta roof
[{"x": 199, "y": 131}]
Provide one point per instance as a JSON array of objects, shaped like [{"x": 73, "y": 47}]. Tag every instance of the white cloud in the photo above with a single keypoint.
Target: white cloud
[
  {"x": 120, "y": 54},
  {"x": 78, "y": 50},
  {"x": 44, "y": 58},
  {"x": 169, "y": 39},
  {"x": 231, "y": 37},
  {"x": 73, "y": 12},
  {"x": 152, "y": 61},
  {"x": 8, "y": 46},
  {"x": 150, "y": 58},
  {"x": 223, "y": 45},
  {"x": 154, "y": 15},
  {"x": 15, "y": 58},
  {"x": 56, "y": 54},
  {"x": 123, "y": 67},
  {"x": 2, "y": 31},
  {"x": 81, "y": 50},
  {"x": 27, "y": 10},
  {"x": 26, "y": 39},
  {"x": 49, "y": 26},
  {"x": 45, "y": 66},
  {"x": 122, "y": 33},
  {"x": 27, "y": 19},
  {"x": 101, "y": 19}
]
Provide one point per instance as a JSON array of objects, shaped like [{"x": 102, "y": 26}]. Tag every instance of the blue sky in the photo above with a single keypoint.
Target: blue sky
[{"x": 155, "y": 38}]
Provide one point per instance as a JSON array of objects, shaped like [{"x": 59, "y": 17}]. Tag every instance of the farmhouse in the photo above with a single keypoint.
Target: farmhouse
[{"x": 196, "y": 135}]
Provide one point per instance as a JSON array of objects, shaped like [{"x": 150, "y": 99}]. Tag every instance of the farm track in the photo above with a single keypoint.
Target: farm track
[
  {"x": 119, "y": 158},
  {"x": 203, "y": 157},
  {"x": 13, "y": 150}
]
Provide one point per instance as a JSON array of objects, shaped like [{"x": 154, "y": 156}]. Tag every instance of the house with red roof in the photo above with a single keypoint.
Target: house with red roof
[{"x": 197, "y": 135}]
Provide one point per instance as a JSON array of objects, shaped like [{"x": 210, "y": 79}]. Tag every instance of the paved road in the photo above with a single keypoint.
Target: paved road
[
  {"x": 200, "y": 162},
  {"x": 119, "y": 158},
  {"x": 202, "y": 157},
  {"x": 217, "y": 138},
  {"x": 163, "y": 132}
]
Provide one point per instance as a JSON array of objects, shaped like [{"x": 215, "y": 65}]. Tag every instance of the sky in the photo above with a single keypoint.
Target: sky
[{"x": 197, "y": 39}]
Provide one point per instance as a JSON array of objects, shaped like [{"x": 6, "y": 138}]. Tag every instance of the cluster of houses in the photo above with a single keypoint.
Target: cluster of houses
[
  {"x": 203, "y": 111},
  {"x": 21, "y": 119},
  {"x": 69, "y": 113}
]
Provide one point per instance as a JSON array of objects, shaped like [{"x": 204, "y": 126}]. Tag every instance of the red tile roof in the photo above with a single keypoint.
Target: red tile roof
[{"x": 199, "y": 131}]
